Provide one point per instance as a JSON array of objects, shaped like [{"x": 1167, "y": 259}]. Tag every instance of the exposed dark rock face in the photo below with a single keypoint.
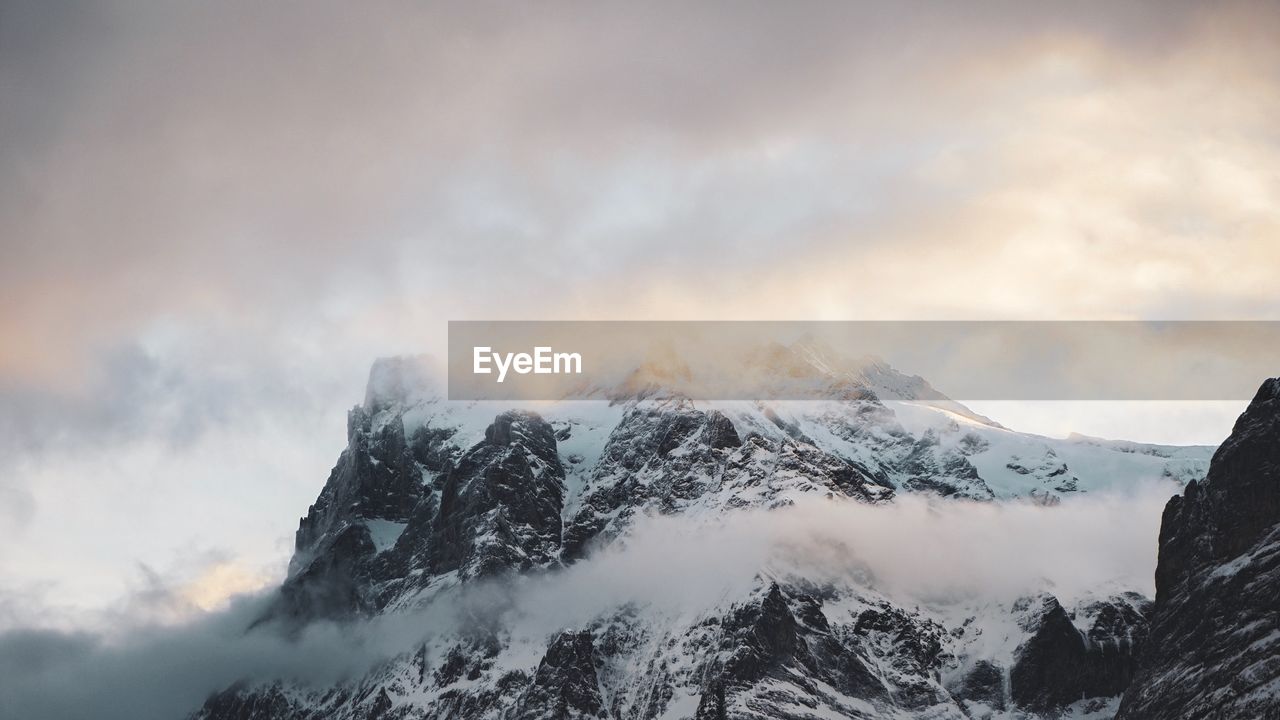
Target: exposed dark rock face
[
  {"x": 238, "y": 703},
  {"x": 946, "y": 473},
  {"x": 1214, "y": 650},
  {"x": 982, "y": 683},
  {"x": 712, "y": 706},
  {"x": 665, "y": 456},
  {"x": 492, "y": 508},
  {"x": 908, "y": 651},
  {"x": 764, "y": 638},
  {"x": 786, "y": 638},
  {"x": 500, "y": 506},
  {"x": 720, "y": 433},
  {"x": 1059, "y": 664},
  {"x": 565, "y": 686},
  {"x": 336, "y": 583},
  {"x": 674, "y": 453},
  {"x": 376, "y": 478},
  {"x": 1237, "y": 504}
]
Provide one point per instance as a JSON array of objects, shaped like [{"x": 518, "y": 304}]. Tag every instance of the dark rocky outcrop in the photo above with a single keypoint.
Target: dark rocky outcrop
[
  {"x": 565, "y": 685},
  {"x": 908, "y": 650},
  {"x": 377, "y": 478},
  {"x": 948, "y": 473},
  {"x": 500, "y": 505},
  {"x": 982, "y": 683},
  {"x": 1059, "y": 664},
  {"x": 335, "y": 583},
  {"x": 239, "y": 703},
  {"x": 670, "y": 451},
  {"x": 666, "y": 455},
  {"x": 491, "y": 508},
  {"x": 784, "y": 637},
  {"x": 1214, "y": 650},
  {"x": 712, "y": 706}
]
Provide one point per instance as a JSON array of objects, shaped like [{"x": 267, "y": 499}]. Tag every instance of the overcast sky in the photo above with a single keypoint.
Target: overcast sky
[{"x": 214, "y": 216}]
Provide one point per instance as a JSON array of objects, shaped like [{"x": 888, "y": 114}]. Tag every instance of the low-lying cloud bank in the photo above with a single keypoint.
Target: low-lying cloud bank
[{"x": 914, "y": 550}]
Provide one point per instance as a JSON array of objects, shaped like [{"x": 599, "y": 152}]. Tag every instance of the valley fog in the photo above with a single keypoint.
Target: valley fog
[{"x": 935, "y": 553}]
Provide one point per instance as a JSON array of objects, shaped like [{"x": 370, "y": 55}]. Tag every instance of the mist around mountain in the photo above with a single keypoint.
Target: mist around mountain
[
  {"x": 815, "y": 557},
  {"x": 651, "y": 556}
]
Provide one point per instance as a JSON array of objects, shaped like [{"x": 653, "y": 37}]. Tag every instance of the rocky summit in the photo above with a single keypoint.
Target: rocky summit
[
  {"x": 1214, "y": 649},
  {"x": 446, "y": 520}
]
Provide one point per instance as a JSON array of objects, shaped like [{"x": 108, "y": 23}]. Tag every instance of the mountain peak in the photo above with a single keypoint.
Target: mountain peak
[
  {"x": 1212, "y": 650},
  {"x": 397, "y": 380}
]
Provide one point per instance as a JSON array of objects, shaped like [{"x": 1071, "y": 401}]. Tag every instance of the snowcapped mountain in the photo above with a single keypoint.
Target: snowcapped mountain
[{"x": 476, "y": 507}]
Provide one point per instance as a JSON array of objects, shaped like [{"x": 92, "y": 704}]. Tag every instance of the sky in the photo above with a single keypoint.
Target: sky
[{"x": 213, "y": 217}]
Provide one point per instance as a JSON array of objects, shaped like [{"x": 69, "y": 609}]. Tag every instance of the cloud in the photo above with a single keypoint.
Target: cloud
[
  {"x": 913, "y": 550},
  {"x": 213, "y": 217},
  {"x": 156, "y": 672},
  {"x": 198, "y": 584},
  {"x": 219, "y": 583},
  {"x": 200, "y": 161},
  {"x": 16, "y": 504}
]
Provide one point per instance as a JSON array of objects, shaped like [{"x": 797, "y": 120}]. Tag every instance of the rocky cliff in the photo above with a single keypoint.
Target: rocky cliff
[{"x": 1214, "y": 650}]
